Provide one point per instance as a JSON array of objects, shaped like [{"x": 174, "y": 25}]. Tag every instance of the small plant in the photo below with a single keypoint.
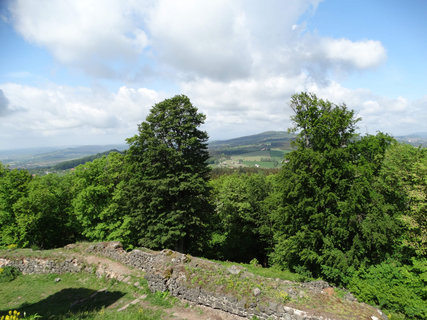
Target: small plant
[
  {"x": 254, "y": 262},
  {"x": 12, "y": 246},
  {"x": 8, "y": 274},
  {"x": 162, "y": 299},
  {"x": 15, "y": 315},
  {"x": 283, "y": 296}
]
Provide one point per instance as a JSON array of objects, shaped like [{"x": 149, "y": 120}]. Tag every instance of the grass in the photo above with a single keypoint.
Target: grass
[
  {"x": 217, "y": 279},
  {"x": 77, "y": 296},
  {"x": 30, "y": 253},
  {"x": 273, "y": 272}
]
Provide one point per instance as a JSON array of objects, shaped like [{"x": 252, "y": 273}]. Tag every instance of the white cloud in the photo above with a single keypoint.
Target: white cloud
[
  {"x": 238, "y": 61},
  {"x": 76, "y": 115},
  {"x": 85, "y": 34},
  {"x": 397, "y": 116},
  {"x": 359, "y": 54},
  {"x": 221, "y": 40}
]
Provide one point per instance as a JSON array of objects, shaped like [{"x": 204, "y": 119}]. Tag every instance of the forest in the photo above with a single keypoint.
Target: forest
[{"x": 345, "y": 208}]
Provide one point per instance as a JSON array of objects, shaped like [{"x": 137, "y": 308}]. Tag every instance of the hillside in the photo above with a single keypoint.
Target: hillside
[
  {"x": 216, "y": 291},
  {"x": 49, "y": 157},
  {"x": 265, "y": 150},
  {"x": 269, "y": 138}
]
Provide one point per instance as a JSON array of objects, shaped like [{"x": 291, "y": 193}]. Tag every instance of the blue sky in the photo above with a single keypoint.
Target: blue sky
[{"x": 87, "y": 72}]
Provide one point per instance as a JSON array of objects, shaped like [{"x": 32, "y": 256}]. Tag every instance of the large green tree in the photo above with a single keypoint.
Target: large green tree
[
  {"x": 332, "y": 216},
  {"x": 167, "y": 193}
]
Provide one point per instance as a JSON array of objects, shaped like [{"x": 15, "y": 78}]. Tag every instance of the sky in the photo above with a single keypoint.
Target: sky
[{"x": 82, "y": 72}]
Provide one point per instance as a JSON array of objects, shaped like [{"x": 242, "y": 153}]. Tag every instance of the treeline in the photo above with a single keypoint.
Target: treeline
[
  {"x": 349, "y": 209},
  {"x": 69, "y": 164}
]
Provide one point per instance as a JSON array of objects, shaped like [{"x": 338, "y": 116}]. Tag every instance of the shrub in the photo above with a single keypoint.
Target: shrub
[
  {"x": 399, "y": 288},
  {"x": 8, "y": 274}
]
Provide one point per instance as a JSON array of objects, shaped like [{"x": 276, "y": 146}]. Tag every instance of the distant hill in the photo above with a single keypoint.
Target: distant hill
[
  {"x": 415, "y": 139},
  {"x": 275, "y": 138},
  {"x": 48, "y": 157},
  {"x": 75, "y": 162},
  {"x": 264, "y": 150}
]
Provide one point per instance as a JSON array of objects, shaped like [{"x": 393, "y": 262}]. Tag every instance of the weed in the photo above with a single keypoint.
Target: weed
[{"x": 161, "y": 299}]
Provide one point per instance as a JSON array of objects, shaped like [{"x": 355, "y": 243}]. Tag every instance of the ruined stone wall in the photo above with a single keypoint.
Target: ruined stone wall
[
  {"x": 38, "y": 265},
  {"x": 165, "y": 271}
]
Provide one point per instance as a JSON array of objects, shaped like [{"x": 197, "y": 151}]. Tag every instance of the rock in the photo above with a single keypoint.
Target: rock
[
  {"x": 114, "y": 245},
  {"x": 328, "y": 291},
  {"x": 350, "y": 297},
  {"x": 317, "y": 286},
  {"x": 57, "y": 279},
  {"x": 256, "y": 292},
  {"x": 234, "y": 270}
]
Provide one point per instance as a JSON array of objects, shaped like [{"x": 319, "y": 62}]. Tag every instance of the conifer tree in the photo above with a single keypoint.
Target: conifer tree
[
  {"x": 167, "y": 192},
  {"x": 332, "y": 216}
]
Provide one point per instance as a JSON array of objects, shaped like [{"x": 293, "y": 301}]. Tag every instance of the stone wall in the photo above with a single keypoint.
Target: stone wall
[
  {"x": 38, "y": 265},
  {"x": 167, "y": 271}
]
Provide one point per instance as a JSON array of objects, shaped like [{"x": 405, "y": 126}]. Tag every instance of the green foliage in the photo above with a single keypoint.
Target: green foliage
[
  {"x": 396, "y": 287},
  {"x": 242, "y": 226},
  {"x": 42, "y": 210},
  {"x": 321, "y": 124},
  {"x": 404, "y": 180},
  {"x": 64, "y": 165},
  {"x": 8, "y": 273},
  {"x": 167, "y": 192},
  {"x": 13, "y": 187},
  {"x": 97, "y": 194},
  {"x": 332, "y": 216},
  {"x": 161, "y": 299}
]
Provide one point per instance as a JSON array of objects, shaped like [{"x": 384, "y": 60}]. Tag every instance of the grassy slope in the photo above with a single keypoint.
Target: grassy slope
[
  {"x": 76, "y": 296},
  {"x": 43, "y": 295}
]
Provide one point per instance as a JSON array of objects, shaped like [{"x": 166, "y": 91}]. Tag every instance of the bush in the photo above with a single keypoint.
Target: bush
[
  {"x": 8, "y": 274},
  {"x": 399, "y": 288}
]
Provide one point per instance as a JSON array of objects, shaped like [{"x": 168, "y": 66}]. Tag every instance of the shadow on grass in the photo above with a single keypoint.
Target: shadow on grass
[{"x": 70, "y": 301}]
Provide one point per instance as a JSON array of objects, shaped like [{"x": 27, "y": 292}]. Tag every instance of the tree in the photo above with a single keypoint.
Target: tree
[
  {"x": 321, "y": 124},
  {"x": 96, "y": 189},
  {"x": 167, "y": 190},
  {"x": 332, "y": 217},
  {"x": 404, "y": 179},
  {"x": 13, "y": 186},
  {"x": 43, "y": 215},
  {"x": 242, "y": 226}
]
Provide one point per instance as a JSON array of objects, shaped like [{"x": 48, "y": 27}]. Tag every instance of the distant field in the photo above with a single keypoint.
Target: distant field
[{"x": 267, "y": 159}]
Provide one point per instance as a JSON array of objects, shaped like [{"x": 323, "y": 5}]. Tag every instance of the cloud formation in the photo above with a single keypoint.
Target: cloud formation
[
  {"x": 238, "y": 61},
  {"x": 62, "y": 112},
  {"x": 86, "y": 34},
  {"x": 221, "y": 40}
]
